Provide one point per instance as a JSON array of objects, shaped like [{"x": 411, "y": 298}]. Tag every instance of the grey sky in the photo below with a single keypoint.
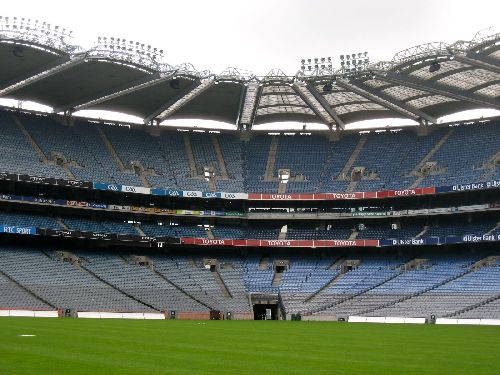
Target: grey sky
[{"x": 258, "y": 35}]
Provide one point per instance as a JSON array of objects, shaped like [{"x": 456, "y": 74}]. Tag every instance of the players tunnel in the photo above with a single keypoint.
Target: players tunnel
[{"x": 265, "y": 306}]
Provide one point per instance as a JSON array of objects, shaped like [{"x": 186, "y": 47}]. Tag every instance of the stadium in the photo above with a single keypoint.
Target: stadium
[{"x": 107, "y": 224}]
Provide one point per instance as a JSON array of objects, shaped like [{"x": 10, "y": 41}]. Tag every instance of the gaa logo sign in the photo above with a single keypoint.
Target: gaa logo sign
[{"x": 129, "y": 189}]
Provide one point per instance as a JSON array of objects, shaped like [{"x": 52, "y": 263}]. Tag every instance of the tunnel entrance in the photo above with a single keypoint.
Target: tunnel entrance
[
  {"x": 265, "y": 312},
  {"x": 265, "y": 306}
]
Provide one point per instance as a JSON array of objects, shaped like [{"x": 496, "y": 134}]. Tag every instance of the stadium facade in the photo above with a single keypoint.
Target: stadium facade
[{"x": 101, "y": 217}]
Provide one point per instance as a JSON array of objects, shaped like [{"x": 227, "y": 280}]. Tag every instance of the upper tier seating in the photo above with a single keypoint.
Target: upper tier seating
[{"x": 391, "y": 160}]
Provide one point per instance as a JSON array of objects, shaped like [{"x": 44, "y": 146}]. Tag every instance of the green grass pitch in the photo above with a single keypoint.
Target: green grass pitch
[{"x": 100, "y": 346}]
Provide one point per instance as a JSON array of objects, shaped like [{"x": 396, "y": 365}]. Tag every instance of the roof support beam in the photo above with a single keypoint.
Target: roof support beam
[
  {"x": 485, "y": 84},
  {"x": 116, "y": 93},
  {"x": 173, "y": 105},
  {"x": 76, "y": 60},
  {"x": 249, "y": 107},
  {"x": 398, "y": 103},
  {"x": 170, "y": 102},
  {"x": 203, "y": 86},
  {"x": 478, "y": 61},
  {"x": 34, "y": 72},
  {"x": 324, "y": 103},
  {"x": 435, "y": 88},
  {"x": 376, "y": 99},
  {"x": 306, "y": 95}
]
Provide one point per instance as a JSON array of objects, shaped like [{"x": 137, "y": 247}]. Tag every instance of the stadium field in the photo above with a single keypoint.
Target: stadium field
[{"x": 78, "y": 346}]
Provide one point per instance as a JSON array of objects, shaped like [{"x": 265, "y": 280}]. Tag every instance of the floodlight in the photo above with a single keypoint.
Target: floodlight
[
  {"x": 175, "y": 84},
  {"x": 434, "y": 67}
]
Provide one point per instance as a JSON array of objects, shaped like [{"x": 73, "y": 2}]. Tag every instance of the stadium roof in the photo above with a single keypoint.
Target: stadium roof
[{"x": 421, "y": 83}]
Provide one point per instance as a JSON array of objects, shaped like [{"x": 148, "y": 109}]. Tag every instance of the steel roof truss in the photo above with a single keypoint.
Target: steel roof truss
[
  {"x": 398, "y": 103},
  {"x": 126, "y": 91},
  {"x": 74, "y": 61},
  {"x": 437, "y": 89},
  {"x": 389, "y": 104}
]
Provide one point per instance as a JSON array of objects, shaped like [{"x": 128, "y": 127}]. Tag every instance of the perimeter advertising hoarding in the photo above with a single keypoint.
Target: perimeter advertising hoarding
[
  {"x": 279, "y": 243},
  {"x": 252, "y": 196},
  {"x": 18, "y": 230}
]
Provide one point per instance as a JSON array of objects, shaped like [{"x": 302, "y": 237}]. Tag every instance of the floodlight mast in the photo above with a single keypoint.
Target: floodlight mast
[
  {"x": 127, "y": 50},
  {"x": 316, "y": 66},
  {"x": 36, "y": 32},
  {"x": 352, "y": 64}
]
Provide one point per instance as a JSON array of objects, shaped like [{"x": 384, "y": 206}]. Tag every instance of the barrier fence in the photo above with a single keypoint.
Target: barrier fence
[{"x": 161, "y": 241}]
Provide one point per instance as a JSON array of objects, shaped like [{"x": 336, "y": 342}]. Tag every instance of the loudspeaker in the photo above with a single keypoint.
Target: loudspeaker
[{"x": 175, "y": 84}]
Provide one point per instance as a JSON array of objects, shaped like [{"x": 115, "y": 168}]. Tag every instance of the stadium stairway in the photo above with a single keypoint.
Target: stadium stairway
[
  {"x": 472, "y": 307},
  {"x": 494, "y": 229},
  {"x": 83, "y": 268},
  {"x": 41, "y": 154},
  {"x": 263, "y": 263},
  {"x": 282, "y": 188},
  {"x": 165, "y": 278},
  {"x": 210, "y": 234},
  {"x": 30, "y": 139},
  {"x": 190, "y": 156},
  {"x": 220, "y": 158},
  {"x": 62, "y": 223},
  {"x": 357, "y": 294},
  {"x": 144, "y": 180},
  {"x": 278, "y": 276},
  {"x": 330, "y": 283},
  {"x": 27, "y": 290},
  {"x": 420, "y": 292},
  {"x": 426, "y": 158},
  {"x": 139, "y": 230},
  {"x": 352, "y": 185},
  {"x": 491, "y": 166},
  {"x": 350, "y": 162},
  {"x": 111, "y": 149},
  {"x": 353, "y": 235},
  {"x": 222, "y": 285},
  {"x": 271, "y": 160},
  {"x": 424, "y": 231}
]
